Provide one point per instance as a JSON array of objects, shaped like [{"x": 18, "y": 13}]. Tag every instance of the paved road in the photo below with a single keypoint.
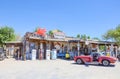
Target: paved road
[{"x": 55, "y": 69}]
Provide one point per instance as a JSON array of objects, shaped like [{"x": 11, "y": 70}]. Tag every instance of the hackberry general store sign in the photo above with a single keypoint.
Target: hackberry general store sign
[{"x": 58, "y": 35}]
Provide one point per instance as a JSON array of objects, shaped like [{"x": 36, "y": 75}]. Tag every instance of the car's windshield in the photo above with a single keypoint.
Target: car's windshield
[
  {"x": 97, "y": 53},
  {"x": 102, "y": 53}
]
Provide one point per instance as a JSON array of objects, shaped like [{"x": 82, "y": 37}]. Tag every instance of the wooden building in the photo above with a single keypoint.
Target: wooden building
[
  {"x": 60, "y": 42},
  {"x": 12, "y": 47}
]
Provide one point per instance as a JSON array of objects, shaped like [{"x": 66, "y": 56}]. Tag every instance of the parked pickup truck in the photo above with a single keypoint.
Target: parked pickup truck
[{"x": 95, "y": 57}]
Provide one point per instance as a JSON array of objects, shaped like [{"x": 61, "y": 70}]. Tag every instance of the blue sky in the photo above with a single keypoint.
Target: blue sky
[{"x": 90, "y": 17}]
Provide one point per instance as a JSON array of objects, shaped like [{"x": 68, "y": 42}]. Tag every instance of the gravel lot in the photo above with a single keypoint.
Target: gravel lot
[{"x": 55, "y": 69}]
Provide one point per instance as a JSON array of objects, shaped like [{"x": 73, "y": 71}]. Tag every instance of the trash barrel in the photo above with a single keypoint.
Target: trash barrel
[{"x": 67, "y": 55}]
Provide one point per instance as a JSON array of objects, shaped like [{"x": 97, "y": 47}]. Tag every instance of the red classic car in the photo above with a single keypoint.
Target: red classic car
[{"x": 95, "y": 57}]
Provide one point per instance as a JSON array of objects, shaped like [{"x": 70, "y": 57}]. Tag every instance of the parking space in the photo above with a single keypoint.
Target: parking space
[{"x": 55, "y": 69}]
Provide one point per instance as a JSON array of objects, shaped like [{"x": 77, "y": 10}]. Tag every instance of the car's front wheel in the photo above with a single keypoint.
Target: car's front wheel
[
  {"x": 105, "y": 62},
  {"x": 79, "y": 61}
]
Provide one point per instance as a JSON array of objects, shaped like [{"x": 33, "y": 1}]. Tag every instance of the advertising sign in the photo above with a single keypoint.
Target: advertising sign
[{"x": 59, "y": 35}]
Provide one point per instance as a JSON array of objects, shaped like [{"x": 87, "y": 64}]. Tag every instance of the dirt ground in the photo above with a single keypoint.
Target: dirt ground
[{"x": 55, "y": 69}]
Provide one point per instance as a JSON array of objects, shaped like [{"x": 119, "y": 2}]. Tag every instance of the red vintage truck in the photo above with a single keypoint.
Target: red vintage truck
[{"x": 95, "y": 57}]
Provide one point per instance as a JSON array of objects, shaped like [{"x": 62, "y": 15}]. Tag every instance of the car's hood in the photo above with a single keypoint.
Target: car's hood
[
  {"x": 110, "y": 57},
  {"x": 83, "y": 56}
]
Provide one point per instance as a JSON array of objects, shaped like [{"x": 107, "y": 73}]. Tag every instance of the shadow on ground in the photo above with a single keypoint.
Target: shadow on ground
[
  {"x": 99, "y": 65},
  {"x": 68, "y": 59}
]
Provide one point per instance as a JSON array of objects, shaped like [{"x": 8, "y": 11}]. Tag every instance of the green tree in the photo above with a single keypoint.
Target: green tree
[
  {"x": 59, "y": 30},
  {"x": 102, "y": 47},
  {"x": 78, "y": 35},
  {"x": 84, "y": 37},
  {"x": 18, "y": 37},
  {"x": 109, "y": 34},
  {"x": 6, "y": 34},
  {"x": 50, "y": 32},
  {"x": 95, "y": 38},
  {"x": 88, "y": 37},
  {"x": 35, "y": 30},
  {"x": 113, "y": 34}
]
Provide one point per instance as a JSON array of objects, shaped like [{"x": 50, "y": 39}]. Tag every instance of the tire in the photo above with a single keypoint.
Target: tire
[
  {"x": 79, "y": 61},
  {"x": 105, "y": 63}
]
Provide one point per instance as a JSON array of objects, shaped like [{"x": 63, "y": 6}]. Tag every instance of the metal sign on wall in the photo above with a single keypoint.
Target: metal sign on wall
[
  {"x": 36, "y": 36},
  {"x": 39, "y": 34},
  {"x": 59, "y": 35},
  {"x": 86, "y": 42}
]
